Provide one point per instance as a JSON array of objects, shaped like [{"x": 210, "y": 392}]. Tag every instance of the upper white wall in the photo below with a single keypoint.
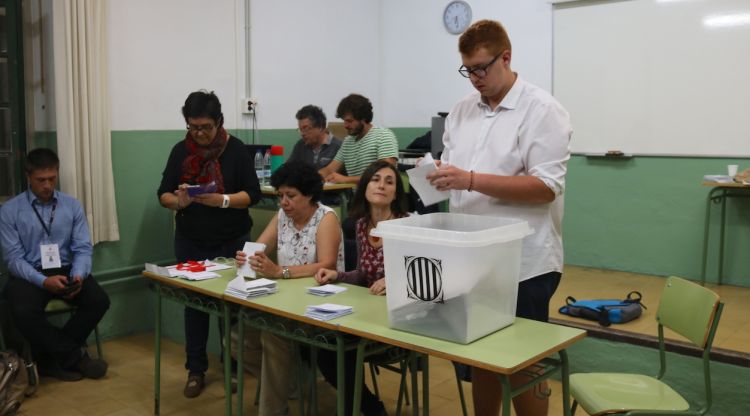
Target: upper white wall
[
  {"x": 420, "y": 58},
  {"x": 161, "y": 50},
  {"x": 312, "y": 52},
  {"x": 395, "y": 52}
]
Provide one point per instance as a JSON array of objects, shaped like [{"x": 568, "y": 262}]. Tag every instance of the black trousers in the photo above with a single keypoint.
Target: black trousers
[
  {"x": 197, "y": 322},
  {"x": 50, "y": 344}
]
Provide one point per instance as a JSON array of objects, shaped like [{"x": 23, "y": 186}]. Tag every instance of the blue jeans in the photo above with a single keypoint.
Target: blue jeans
[{"x": 197, "y": 322}]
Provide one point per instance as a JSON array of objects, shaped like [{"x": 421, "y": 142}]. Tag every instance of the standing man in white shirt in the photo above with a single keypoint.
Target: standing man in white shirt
[{"x": 506, "y": 153}]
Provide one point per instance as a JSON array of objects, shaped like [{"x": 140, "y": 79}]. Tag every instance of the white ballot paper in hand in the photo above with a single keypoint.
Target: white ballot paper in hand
[
  {"x": 249, "y": 250},
  {"x": 418, "y": 180}
]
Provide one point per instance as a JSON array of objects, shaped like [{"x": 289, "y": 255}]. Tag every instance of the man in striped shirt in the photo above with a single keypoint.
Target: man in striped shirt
[{"x": 364, "y": 144}]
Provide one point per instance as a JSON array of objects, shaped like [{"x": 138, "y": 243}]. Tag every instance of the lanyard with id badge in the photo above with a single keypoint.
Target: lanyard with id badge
[{"x": 50, "y": 253}]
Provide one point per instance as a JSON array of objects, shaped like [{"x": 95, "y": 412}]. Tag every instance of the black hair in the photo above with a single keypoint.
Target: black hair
[
  {"x": 357, "y": 105},
  {"x": 41, "y": 158},
  {"x": 301, "y": 176},
  {"x": 203, "y": 104},
  {"x": 360, "y": 206},
  {"x": 314, "y": 113}
]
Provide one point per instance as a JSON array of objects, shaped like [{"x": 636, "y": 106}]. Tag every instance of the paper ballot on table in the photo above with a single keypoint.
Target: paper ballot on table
[
  {"x": 718, "y": 178},
  {"x": 325, "y": 290},
  {"x": 327, "y": 311},
  {"x": 249, "y": 249},
  {"x": 245, "y": 289},
  {"x": 195, "y": 276},
  {"x": 418, "y": 180}
]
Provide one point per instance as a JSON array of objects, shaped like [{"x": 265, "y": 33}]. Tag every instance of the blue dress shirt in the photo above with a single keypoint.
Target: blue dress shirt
[{"x": 21, "y": 234}]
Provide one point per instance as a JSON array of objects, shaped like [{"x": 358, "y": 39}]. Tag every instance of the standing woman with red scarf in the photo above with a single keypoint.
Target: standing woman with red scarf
[{"x": 212, "y": 224}]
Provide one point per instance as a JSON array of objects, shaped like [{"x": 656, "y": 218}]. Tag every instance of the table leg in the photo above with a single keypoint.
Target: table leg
[
  {"x": 227, "y": 360},
  {"x": 721, "y": 232},
  {"x": 565, "y": 380},
  {"x": 157, "y": 352},
  {"x": 414, "y": 365},
  {"x": 358, "y": 376},
  {"x": 240, "y": 361},
  {"x": 706, "y": 222},
  {"x": 425, "y": 385},
  {"x": 340, "y": 382},
  {"x": 507, "y": 396}
]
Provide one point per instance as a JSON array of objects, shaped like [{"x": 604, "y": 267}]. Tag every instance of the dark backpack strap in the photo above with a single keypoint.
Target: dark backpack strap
[
  {"x": 631, "y": 298},
  {"x": 570, "y": 300},
  {"x": 604, "y": 316}
]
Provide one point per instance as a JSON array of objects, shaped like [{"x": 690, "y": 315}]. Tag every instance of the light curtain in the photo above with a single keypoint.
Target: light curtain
[{"x": 82, "y": 111}]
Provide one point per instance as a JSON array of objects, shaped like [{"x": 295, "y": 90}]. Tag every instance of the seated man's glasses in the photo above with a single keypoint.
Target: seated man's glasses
[
  {"x": 480, "y": 71},
  {"x": 203, "y": 127}
]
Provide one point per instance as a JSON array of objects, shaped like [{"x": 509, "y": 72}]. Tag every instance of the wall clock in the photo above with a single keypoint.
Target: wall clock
[{"x": 457, "y": 16}]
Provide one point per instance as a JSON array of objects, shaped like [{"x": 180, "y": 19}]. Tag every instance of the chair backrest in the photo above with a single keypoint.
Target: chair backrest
[
  {"x": 337, "y": 129},
  {"x": 688, "y": 309}
]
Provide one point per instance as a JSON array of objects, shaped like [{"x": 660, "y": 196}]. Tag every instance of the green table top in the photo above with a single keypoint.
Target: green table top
[{"x": 505, "y": 351}]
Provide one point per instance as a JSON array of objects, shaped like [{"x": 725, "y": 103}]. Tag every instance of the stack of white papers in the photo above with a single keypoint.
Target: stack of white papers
[
  {"x": 325, "y": 290},
  {"x": 327, "y": 311},
  {"x": 172, "y": 271},
  {"x": 246, "y": 289},
  {"x": 718, "y": 178}
]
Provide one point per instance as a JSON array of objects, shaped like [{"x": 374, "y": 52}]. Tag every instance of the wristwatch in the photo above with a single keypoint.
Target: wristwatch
[
  {"x": 225, "y": 202},
  {"x": 285, "y": 274}
]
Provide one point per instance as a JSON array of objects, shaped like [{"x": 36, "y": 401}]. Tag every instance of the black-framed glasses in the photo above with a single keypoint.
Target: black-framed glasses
[
  {"x": 203, "y": 127},
  {"x": 480, "y": 70}
]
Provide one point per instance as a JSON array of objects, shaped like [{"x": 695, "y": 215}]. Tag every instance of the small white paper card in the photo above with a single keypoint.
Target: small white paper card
[
  {"x": 249, "y": 250},
  {"x": 199, "y": 275},
  {"x": 418, "y": 180},
  {"x": 330, "y": 289},
  {"x": 156, "y": 269},
  {"x": 330, "y": 307},
  {"x": 50, "y": 256}
]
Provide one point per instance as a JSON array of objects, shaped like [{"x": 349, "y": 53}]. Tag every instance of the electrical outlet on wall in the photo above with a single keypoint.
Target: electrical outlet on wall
[{"x": 249, "y": 105}]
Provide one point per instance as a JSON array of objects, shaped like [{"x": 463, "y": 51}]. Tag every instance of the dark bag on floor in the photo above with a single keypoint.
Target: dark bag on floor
[
  {"x": 605, "y": 311},
  {"x": 17, "y": 381}
]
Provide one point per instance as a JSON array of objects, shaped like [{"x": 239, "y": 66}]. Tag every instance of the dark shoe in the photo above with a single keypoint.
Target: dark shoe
[
  {"x": 55, "y": 371},
  {"x": 194, "y": 385},
  {"x": 93, "y": 368},
  {"x": 377, "y": 410}
]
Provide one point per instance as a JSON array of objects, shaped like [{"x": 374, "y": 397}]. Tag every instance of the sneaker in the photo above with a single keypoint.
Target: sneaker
[
  {"x": 194, "y": 385},
  {"x": 92, "y": 368},
  {"x": 55, "y": 371}
]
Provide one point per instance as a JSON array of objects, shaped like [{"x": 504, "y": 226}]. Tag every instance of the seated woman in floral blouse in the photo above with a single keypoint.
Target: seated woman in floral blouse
[{"x": 306, "y": 236}]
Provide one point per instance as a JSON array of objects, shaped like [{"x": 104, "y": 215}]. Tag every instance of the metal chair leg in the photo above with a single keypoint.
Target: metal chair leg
[
  {"x": 460, "y": 392},
  {"x": 99, "y": 352},
  {"x": 373, "y": 374}
]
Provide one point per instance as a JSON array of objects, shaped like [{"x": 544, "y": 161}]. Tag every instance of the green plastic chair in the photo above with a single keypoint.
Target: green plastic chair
[{"x": 686, "y": 308}]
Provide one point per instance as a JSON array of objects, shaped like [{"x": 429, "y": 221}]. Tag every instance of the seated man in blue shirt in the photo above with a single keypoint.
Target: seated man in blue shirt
[{"x": 47, "y": 248}]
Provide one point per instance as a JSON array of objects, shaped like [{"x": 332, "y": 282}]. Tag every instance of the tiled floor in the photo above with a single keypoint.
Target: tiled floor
[{"x": 128, "y": 387}]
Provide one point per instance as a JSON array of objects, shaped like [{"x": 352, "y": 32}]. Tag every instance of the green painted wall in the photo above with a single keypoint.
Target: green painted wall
[{"x": 646, "y": 215}]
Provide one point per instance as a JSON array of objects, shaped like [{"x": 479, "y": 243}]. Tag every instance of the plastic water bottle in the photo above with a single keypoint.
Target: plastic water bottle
[
  {"x": 267, "y": 168},
  {"x": 259, "y": 167}
]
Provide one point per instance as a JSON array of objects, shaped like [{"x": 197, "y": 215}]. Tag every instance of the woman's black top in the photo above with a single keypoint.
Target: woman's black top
[{"x": 211, "y": 225}]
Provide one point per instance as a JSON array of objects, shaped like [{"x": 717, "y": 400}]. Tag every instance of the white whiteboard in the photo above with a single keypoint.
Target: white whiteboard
[{"x": 655, "y": 77}]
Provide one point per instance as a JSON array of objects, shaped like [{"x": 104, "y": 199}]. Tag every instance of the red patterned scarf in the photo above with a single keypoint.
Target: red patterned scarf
[{"x": 202, "y": 163}]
